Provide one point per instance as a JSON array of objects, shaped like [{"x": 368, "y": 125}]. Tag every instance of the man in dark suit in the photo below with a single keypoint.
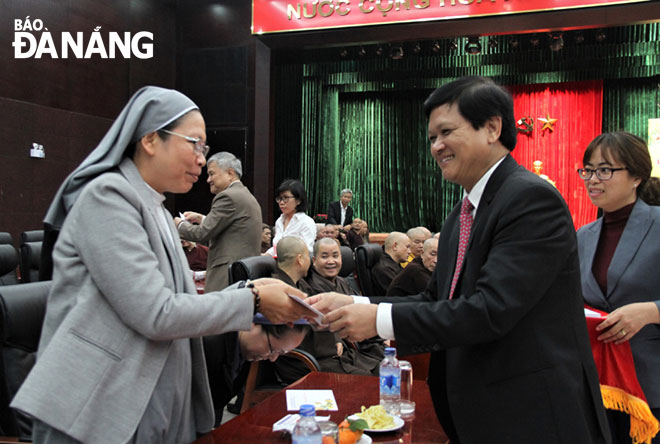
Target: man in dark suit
[
  {"x": 511, "y": 361},
  {"x": 227, "y": 354},
  {"x": 232, "y": 229},
  {"x": 339, "y": 212}
]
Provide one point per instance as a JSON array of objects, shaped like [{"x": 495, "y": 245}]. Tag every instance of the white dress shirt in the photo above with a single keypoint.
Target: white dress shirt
[
  {"x": 384, "y": 325},
  {"x": 300, "y": 225}
]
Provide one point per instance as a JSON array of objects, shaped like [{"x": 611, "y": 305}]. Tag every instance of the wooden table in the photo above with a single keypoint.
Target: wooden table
[{"x": 351, "y": 392}]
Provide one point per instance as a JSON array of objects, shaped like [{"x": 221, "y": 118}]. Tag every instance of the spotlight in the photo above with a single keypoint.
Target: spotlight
[
  {"x": 416, "y": 48},
  {"x": 514, "y": 42},
  {"x": 343, "y": 53},
  {"x": 601, "y": 36},
  {"x": 492, "y": 42},
  {"x": 556, "y": 41},
  {"x": 379, "y": 50},
  {"x": 473, "y": 46},
  {"x": 435, "y": 47},
  {"x": 579, "y": 38},
  {"x": 396, "y": 53},
  {"x": 453, "y": 45},
  {"x": 534, "y": 40},
  {"x": 362, "y": 52}
]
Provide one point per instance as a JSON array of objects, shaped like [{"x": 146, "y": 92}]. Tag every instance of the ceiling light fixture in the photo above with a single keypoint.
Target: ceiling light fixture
[
  {"x": 473, "y": 46},
  {"x": 556, "y": 41}
]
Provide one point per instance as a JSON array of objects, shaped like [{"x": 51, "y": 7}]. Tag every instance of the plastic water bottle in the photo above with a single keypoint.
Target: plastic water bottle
[
  {"x": 390, "y": 382},
  {"x": 307, "y": 431}
]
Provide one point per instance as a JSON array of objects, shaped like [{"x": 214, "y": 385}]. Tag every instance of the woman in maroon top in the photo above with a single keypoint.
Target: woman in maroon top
[{"x": 620, "y": 257}]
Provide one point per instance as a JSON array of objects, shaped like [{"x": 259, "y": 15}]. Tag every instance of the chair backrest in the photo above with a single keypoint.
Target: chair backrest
[
  {"x": 253, "y": 267},
  {"x": 8, "y": 264},
  {"x": 5, "y": 238},
  {"x": 32, "y": 236},
  {"x": 22, "y": 311},
  {"x": 259, "y": 384},
  {"x": 366, "y": 256},
  {"x": 347, "y": 261},
  {"x": 30, "y": 261}
]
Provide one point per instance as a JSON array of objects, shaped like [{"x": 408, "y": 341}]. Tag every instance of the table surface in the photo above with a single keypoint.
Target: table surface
[{"x": 351, "y": 392}]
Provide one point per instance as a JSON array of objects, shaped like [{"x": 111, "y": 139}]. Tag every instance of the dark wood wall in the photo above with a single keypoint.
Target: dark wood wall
[{"x": 66, "y": 105}]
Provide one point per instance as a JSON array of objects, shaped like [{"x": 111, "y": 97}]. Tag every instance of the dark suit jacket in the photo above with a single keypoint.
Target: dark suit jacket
[
  {"x": 232, "y": 230},
  {"x": 511, "y": 361},
  {"x": 334, "y": 214},
  {"x": 632, "y": 277}
]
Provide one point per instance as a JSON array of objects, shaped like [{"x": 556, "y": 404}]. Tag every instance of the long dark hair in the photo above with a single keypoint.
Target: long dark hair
[{"x": 633, "y": 153}]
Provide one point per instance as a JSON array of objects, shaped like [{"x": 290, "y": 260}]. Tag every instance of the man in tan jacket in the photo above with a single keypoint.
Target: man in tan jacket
[{"x": 232, "y": 229}]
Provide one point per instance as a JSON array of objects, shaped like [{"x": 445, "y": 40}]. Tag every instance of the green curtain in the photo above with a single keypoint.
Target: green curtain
[{"x": 356, "y": 122}]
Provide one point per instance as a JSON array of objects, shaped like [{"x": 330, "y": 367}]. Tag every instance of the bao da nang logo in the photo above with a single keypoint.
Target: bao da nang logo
[{"x": 32, "y": 39}]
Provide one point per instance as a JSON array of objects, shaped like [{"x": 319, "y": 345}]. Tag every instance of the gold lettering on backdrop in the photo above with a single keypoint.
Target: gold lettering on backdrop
[
  {"x": 329, "y": 11},
  {"x": 341, "y": 3},
  {"x": 325, "y": 8},
  {"x": 307, "y": 13},
  {"x": 384, "y": 10},
  {"x": 293, "y": 11},
  {"x": 361, "y": 5}
]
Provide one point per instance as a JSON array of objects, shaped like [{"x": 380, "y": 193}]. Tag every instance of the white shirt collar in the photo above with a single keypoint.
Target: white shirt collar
[{"x": 474, "y": 196}]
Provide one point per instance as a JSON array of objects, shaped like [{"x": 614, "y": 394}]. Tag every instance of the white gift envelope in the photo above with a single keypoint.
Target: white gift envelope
[
  {"x": 315, "y": 315},
  {"x": 320, "y": 399}
]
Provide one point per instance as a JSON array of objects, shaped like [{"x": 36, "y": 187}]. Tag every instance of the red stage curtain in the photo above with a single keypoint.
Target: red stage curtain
[{"x": 578, "y": 108}]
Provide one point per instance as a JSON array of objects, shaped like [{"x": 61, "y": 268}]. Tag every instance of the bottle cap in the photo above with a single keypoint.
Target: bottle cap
[
  {"x": 307, "y": 410},
  {"x": 390, "y": 351}
]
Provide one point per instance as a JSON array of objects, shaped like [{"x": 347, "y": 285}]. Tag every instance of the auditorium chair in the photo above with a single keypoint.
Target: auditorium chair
[
  {"x": 5, "y": 238},
  {"x": 30, "y": 261},
  {"x": 32, "y": 236},
  {"x": 8, "y": 264},
  {"x": 348, "y": 268},
  {"x": 22, "y": 310},
  {"x": 262, "y": 382},
  {"x": 253, "y": 267},
  {"x": 366, "y": 256}
]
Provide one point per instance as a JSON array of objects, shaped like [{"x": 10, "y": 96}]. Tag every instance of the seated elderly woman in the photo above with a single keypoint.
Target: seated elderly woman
[{"x": 120, "y": 357}]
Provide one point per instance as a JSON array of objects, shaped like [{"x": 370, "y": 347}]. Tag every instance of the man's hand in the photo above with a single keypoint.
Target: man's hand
[
  {"x": 340, "y": 348},
  {"x": 624, "y": 322},
  {"x": 192, "y": 217},
  {"x": 355, "y": 322},
  {"x": 276, "y": 305},
  {"x": 326, "y": 302}
]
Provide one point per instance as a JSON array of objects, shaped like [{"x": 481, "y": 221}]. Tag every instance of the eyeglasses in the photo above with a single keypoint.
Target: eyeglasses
[
  {"x": 199, "y": 146},
  {"x": 272, "y": 352},
  {"x": 601, "y": 173},
  {"x": 283, "y": 199}
]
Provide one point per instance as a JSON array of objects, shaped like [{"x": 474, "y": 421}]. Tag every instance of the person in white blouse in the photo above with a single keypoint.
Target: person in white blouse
[{"x": 292, "y": 199}]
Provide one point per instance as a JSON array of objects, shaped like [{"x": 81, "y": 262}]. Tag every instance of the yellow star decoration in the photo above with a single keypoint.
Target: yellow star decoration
[{"x": 548, "y": 123}]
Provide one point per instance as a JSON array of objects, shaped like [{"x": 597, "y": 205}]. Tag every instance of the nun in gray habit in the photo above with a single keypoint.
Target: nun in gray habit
[{"x": 120, "y": 356}]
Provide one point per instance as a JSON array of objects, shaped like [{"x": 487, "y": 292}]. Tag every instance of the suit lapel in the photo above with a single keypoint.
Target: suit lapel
[
  {"x": 593, "y": 294},
  {"x": 633, "y": 235},
  {"x": 496, "y": 180}
]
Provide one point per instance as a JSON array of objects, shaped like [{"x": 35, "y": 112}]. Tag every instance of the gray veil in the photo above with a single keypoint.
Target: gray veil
[{"x": 150, "y": 109}]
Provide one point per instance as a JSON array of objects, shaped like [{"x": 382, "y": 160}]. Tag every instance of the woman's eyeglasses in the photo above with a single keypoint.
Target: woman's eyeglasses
[
  {"x": 199, "y": 147},
  {"x": 283, "y": 199},
  {"x": 601, "y": 173}
]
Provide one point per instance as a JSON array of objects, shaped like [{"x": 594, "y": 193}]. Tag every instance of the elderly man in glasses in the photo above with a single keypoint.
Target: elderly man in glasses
[
  {"x": 232, "y": 229},
  {"x": 227, "y": 354}
]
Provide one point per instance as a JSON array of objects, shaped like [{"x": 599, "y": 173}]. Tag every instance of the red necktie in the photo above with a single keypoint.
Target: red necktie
[{"x": 465, "y": 220}]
